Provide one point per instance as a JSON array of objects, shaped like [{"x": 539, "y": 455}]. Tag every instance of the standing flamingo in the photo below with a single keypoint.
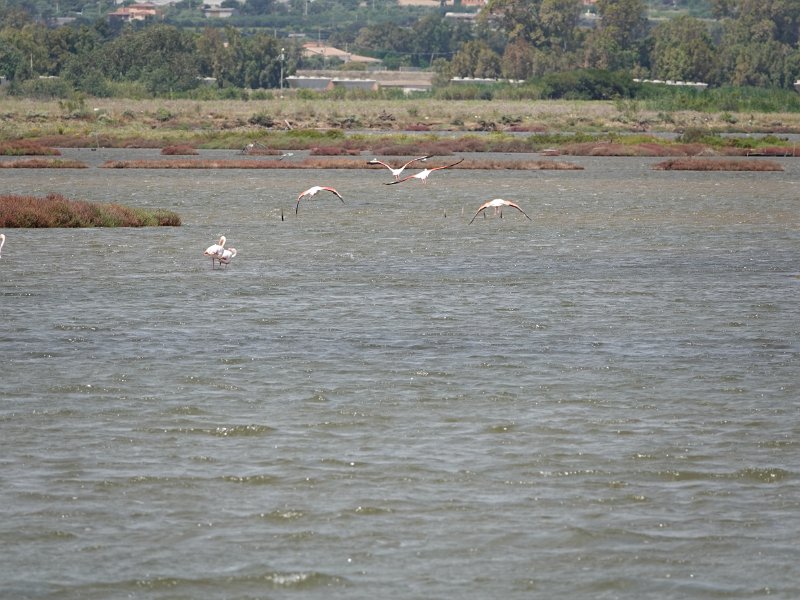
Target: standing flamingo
[
  {"x": 215, "y": 250},
  {"x": 225, "y": 256},
  {"x": 423, "y": 175},
  {"x": 498, "y": 204},
  {"x": 397, "y": 172},
  {"x": 313, "y": 190},
  {"x": 2, "y": 241}
]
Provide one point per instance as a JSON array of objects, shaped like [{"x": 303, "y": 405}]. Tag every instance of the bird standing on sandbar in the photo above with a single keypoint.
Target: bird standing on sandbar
[
  {"x": 498, "y": 204},
  {"x": 313, "y": 190},
  {"x": 397, "y": 172},
  {"x": 423, "y": 175},
  {"x": 2, "y": 241}
]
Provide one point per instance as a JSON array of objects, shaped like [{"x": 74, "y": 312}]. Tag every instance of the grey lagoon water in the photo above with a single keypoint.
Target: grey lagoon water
[{"x": 377, "y": 400}]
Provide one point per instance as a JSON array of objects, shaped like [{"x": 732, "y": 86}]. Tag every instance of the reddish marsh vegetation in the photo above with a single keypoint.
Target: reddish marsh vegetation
[
  {"x": 56, "y": 211},
  {"x": 323, "y": 163},
  {"x": 716, "y": 164},
  {"x": 180, "y": 149},
  {"x": 42, "y": 163},
  {"x": 26, "y": 148}
]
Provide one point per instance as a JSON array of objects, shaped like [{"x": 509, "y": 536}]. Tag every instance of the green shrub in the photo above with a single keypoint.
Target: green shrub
[{"x": 587, "y": 84}]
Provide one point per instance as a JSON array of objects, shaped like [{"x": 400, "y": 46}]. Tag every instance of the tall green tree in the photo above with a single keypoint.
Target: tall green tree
[
  {"x": 25, "y": 51},
  {"x": 476, "y": 59},
  {"x": 215, "y": 59},
  {"x": 759, "y": 46},
  {"x": 682, "y": 50},
  {"x": 616, "y": 43},
  {"x": 162, "y": 56},
  {"x": 542, "y": 23}
]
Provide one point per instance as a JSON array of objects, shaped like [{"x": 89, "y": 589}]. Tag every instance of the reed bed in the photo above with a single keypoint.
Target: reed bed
[
  {"x": 326, "y": 163},
  {"x": 793, "y": 151},
  {"x": 26, "y": 148},
  {"x": 43, "y": 163},
  {"x": 716, "y": 164},
  {"x": 656, "y": 149},
  {"x": 54, "y": 210}
]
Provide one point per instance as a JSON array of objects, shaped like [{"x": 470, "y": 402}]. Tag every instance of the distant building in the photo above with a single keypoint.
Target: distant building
[
  {"x": 322, "y": 80},
  {"x": 355, "y": 84},
  {"x": 134, "y": 12},
  {"x": 218, "y": 12},
  {"x": 318, "y": 49},
  {"x": 302, "y": 82},
  {"x": 698, "y": 85}
]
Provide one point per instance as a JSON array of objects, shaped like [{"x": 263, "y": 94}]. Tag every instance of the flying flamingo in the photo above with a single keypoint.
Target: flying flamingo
[
  {"x": 313, "y": 190},
  {"x": 397, "y": 172},
  {"x": 224, "y": 257},
  {"x": 215, "y": 250},
  {"x": 498, "y": 204},
  {"x": 423, "y": 175},
  {"x": 2, "y": 241}
]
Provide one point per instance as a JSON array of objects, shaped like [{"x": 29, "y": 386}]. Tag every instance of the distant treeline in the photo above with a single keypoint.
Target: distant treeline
[{"x": 552, "y": 43}]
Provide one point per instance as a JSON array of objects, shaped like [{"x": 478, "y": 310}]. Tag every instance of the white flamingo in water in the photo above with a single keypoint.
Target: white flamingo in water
[
  {"x": 214, "y": 250},
  {"x": 498, "y": 204},
  {"x": 225, "y": 256},
  {"x": 2, "y": 241},
  {"x": 313, "y": 190},
  {"x": 397, "y": 172},
  {"x": 423, "y": 175}
]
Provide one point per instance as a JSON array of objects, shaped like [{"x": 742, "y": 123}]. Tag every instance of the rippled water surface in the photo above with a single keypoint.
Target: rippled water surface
[{"x": 378, "y": 400}]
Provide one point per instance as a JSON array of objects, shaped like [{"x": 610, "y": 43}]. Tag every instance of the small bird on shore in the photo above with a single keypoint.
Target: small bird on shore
[
  {"x": 312, "y": 191},
  {"x": 498, "y": 204},
  {"x": 397, "y": 172},
  {"x": 2, "y": 241},
  {"x": 423, "y": 175},
  {"x": 214, "y": 250}
]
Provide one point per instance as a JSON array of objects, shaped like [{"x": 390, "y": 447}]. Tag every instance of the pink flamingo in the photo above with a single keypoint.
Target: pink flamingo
[
  {"x": 313, "y": 190},
  {"x": 215, "y": 250},
  {"x": 397, "y": 172},
  {"x": 423, "y": 175},
  {"x": 498, "y": 204},
  {"x": 225, "y": 256}
]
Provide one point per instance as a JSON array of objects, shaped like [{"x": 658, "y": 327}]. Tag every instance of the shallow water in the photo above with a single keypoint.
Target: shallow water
[{"x": 378, "y": 400}]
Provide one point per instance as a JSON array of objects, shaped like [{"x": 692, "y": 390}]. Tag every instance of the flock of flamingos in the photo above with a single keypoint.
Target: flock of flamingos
[
  {"x": 223, "y": 256},
  {"x": 220, "y": 255}
]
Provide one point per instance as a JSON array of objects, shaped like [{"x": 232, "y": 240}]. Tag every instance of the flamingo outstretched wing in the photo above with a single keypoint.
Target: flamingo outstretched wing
[
  {"x": 423, "y": 175},
  {"x": 313, "y": 190},
  {"x": 497, "y": 203},
  {"x": 397, "y": 171}
]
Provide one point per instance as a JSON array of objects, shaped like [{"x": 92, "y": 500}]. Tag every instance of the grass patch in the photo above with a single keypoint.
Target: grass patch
[
  {"x": 54, "y": 210},
  {"x": 716, "y": 164}
]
